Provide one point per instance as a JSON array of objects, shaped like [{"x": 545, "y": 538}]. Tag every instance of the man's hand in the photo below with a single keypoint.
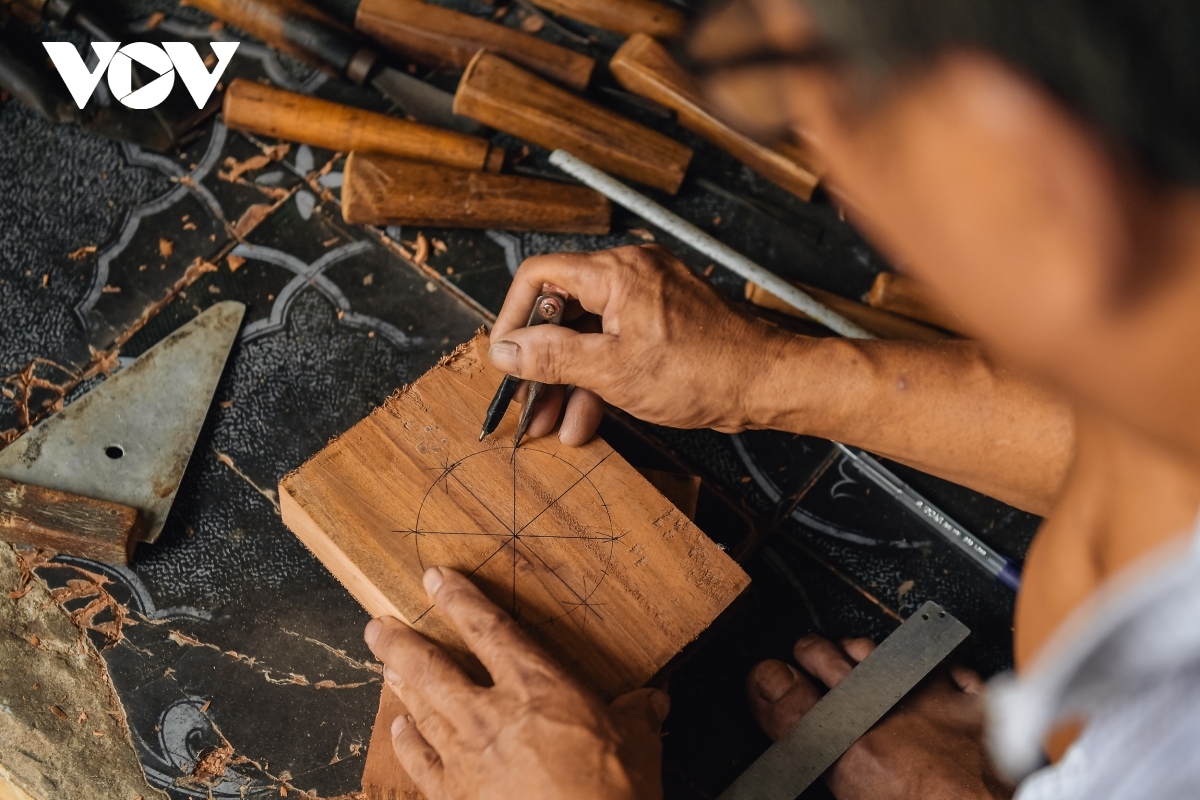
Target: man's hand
[
  {"x": 667, "y": 347},
  {"x": 929, "y": 747},
  {"x": 535, "y": 734}
]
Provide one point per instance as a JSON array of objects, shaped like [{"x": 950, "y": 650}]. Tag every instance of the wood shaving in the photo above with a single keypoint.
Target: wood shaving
[
  {"x": 235, "y": 169},
  {"x": 213, "y": 763},
  {"x": 154, "y": 20},
  {"x": 421, "y": 249},
  {"x": 58, "y": 712},
  {"x": 110, "y": 289},
  {"x": 439, "y": 246},
  {"x": 642, "y": 233},
  {"x": 251, "y": 218},
  {"x": 81, "y": 253},
  {"x": 191, "y": 226},
  {"x": 277, "y": 152},
  {"x": 331, "y": 242},
  {"x": 235, "y": 262},
  {"x": 166, "y": 247},
  {"x": 904, "y": 589},
  {"x": 369, "y": 279}
]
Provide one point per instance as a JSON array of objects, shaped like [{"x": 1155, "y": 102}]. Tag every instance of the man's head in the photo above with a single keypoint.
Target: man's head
[{"x": 1036, "y": 161}]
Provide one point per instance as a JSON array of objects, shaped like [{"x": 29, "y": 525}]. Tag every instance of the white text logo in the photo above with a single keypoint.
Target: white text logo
[{"x": 165, "y": 61}]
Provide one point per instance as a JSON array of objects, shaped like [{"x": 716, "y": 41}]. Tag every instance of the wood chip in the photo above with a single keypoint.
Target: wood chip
[
  {"x": 642, "y": 233},
  {"x": 82, "y": 252},
  {"x": 58, "y": 712},
  {"x": 191, "y": 226},
  {"x": 226, "y": 404},
  {"x": 155, "y": 19},
  {"x": 331, "y": 242},
  {"x": 35, "y": 641},
  {"x": 533, "y": 23},
  {"x": 904, "y": 589},
  {"x": 235, "y": 262},
  {"x": 235, "y": 169},
  {"x": 166, "y": 247},
  {"x": 111, "y": 290},
  {"x": 204, "y": 708},
  {"x": 251, "y": 218},
  {"x": 439, "y": 246},
  {"x": 421, "y": 249},
  {"x": 278, "y": 151},
  {"x": 45, "y": 280},
  {"x": 367, "y": 280},
  {"x": 82, "y": 718}
]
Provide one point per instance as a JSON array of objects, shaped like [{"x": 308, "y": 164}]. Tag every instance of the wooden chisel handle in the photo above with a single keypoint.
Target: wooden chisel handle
[
  {"x": 297, "y": 28},
  {"x": 506, "y": 97},
  {"x": 644, "y": 67},
  {"x": 910, "y": 298},
  {"x": 623, "y": 16},
  {"x": 267, "y": 111},
  {"x": 382, "y": 190},
  {"x": 443, "y": 38}
]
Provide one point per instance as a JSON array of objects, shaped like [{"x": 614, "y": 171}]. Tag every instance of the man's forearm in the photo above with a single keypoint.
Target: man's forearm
[{"x": 941, "y": 407}]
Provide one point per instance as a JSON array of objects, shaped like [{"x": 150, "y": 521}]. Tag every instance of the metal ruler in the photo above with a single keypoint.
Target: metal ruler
[{"x": 841, "y": 717}]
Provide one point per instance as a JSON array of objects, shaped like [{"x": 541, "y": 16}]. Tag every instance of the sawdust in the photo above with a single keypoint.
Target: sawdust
[
  {"x": 82, "y": 253},
  {"x": 212, "y": 763}
]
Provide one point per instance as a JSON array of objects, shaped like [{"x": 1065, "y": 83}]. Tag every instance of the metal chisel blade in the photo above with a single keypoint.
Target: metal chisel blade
[
  {"x": 425, "y": 102},
  {"x": 129, "y": 440}
]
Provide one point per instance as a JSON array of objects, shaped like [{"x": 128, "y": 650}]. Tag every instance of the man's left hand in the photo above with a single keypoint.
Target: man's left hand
[{"x": 535, "y": 733}]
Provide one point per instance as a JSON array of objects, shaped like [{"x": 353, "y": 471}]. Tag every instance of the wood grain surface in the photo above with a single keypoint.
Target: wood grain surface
[
  {"x": 623, "y": 16},
  {"x": 598, "y": 566},
  {"x": 876, "y": 321},
  {"x": 910, "y": 298},
  {"x": 446, "y": 39},
  {"x": 509, "y": 98},
  {"x": 267, "y": 111},
  {"x": 644, "y": 67},
  {"x": 67, "y": 523},
  {"x": 383, "y": 777},
  {"x": 383, "y": 190}
]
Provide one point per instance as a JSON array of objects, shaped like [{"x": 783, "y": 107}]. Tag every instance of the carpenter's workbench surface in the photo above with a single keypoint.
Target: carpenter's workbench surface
[{"x": 235, "y": 636}]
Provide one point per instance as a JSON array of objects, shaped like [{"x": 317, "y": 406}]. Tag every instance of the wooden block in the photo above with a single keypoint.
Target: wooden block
[
  {"x": 382, "y": 190},
  {"x": 644, "y": 67},
  {"x": 681, "y": 489},
  {"x": 595, "y": 564},
  {"x": 67, "y": 523},
  {"x": 510, "y": 99},
  {"x": 443, "y": 38},
  {"x": 383, "y": 777},
  {"x": 623, "y": 16},
  {"x": 883, "y": 324},
  {"x": 267, "y": 111},
  {"x": 911, "y": 298}
]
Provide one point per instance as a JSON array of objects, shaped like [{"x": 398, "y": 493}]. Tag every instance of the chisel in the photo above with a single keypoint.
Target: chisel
[{"x": 309, "y": 34}]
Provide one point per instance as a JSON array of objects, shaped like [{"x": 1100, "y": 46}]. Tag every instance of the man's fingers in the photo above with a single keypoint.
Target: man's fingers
[
  {"x": 553, "y": 354},
  {"x": 966, "y": 679},
  {"x": 858, "y": 649},
  {"x": 644, "y": 707},
  {"x": 422, "y": 666},
  {"x": 586, "y": 277},
  {"x": 584, "y": 412},
  {"x": 418, "y": 758},
  {"x": 490, "y": 634},
  {"x": 436, "y": 729},
  {"x": 822, "y": 659},
  {"x": 779, "y": 696}
]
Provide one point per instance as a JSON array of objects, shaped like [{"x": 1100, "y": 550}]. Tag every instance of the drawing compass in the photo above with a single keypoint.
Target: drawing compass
[
  {"x": 547, "y": 310},
  {"x": 102, "y": 473}
]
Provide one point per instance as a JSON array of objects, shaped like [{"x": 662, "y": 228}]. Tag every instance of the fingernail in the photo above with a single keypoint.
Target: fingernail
[
  {"x": 399, "y": 724},
  {"x": 374, "y": 627},
  {"x": 432, "y": 580},
  {"x": 503, "y": 356},
  {"x": 391, "y": 676},
  {"x": 772, "y": 679}
]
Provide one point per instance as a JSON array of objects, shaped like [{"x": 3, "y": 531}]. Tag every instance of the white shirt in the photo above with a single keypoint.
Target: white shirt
[{"x": 1128, "y": 664}]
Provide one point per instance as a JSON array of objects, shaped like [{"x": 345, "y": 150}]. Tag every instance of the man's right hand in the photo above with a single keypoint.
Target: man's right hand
[{"x": 666, "y": 347}]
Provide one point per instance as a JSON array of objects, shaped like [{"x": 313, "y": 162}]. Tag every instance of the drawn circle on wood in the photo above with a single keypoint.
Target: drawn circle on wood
[{"x": 538, "y": 539}]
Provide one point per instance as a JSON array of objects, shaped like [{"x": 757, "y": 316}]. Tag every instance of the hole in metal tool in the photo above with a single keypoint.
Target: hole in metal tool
[{"x": 114, "y": 451}]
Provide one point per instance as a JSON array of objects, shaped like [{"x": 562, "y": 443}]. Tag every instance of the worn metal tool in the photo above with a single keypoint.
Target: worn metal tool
[
  {"x": 548, "y": 310},
  {"x": 308, "y": 33},
  {"x": 848, "y": 711},
  {"x": 126, "y": 443}
]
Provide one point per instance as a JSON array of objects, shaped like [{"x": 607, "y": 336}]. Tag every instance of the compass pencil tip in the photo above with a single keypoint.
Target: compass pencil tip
[{"x": 482, "y": 434}]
